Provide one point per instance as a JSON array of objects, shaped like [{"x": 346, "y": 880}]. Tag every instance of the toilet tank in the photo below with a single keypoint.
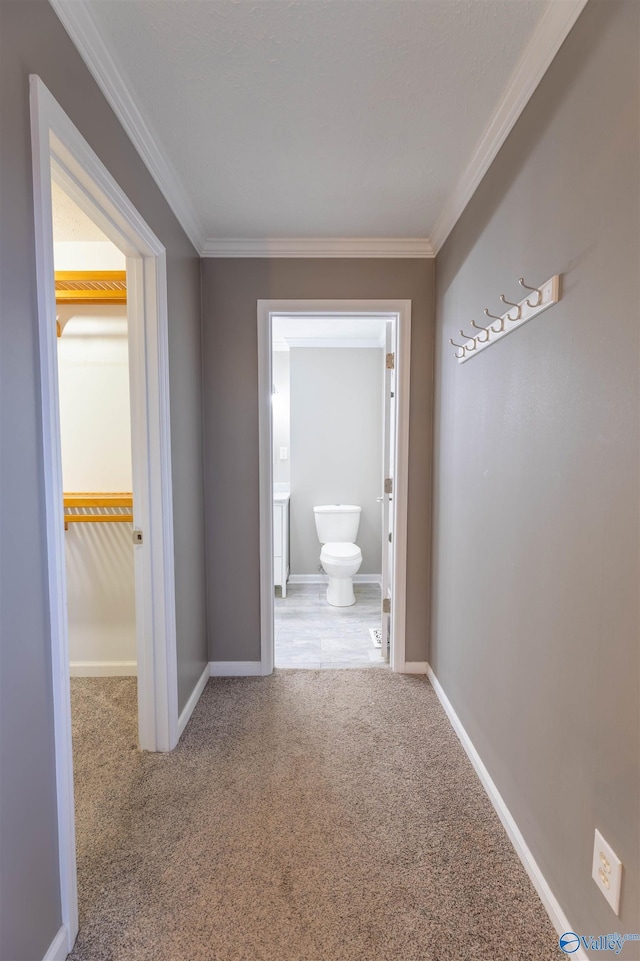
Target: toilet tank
[{"x": 337, "y": 522}]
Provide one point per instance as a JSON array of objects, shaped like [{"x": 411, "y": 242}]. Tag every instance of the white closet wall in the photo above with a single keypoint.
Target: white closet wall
[
  {"x": 95, "y": 420},
  {"x": 96, "y": 457},
  {"x": 95, "y": 424}
]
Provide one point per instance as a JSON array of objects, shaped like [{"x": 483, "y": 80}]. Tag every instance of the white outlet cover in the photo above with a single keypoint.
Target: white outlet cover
[{"x": 607, "y": 866}]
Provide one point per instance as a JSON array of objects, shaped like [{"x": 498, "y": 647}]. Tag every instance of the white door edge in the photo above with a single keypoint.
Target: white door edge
[
  {"x": 401, "y": 310},
  {"x": 60, "y": 150},
  {"x": 388, "y": 470}
]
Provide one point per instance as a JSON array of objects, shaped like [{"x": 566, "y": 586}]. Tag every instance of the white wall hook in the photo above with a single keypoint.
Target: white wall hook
[
  {"x": 510, "y": 304},
  {"x": 491, "y": 328},
  {"x": 536, "y": 289},
  {"x": 548, "y": 295},
  {"x": 485, "y": 330}
]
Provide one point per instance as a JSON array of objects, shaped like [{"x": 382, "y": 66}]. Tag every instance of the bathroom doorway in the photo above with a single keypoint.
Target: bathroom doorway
[{"x": 333, "y": 459}]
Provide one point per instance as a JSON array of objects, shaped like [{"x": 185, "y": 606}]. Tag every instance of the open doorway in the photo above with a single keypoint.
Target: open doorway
[
  {"x": 334, "y": 398},
  {"x": 62, "y": 157},
  {"x": 329, "y": 425},
  {"x": 95, "y": 440},
  {"x": 95, "y": 434}
]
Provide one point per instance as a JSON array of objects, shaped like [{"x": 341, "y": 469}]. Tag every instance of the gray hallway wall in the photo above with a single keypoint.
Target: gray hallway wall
[
  {"x": 32, "y": 40},
  {"x": 536, "y": 524},
  {"x": 231, "y": 289}
]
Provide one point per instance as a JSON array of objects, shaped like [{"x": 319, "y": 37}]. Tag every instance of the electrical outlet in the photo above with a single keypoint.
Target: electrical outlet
[
  {"x": 606, "y": 871},
  {"x": 284, "y": 453}
]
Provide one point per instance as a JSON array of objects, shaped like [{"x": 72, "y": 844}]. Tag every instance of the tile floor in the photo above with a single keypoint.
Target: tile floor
[{"x": 312, "y": 634}]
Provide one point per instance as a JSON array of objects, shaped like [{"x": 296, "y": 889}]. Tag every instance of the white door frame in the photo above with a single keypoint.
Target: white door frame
[
  {"x": 60, "y": 150},
  {"x": 388, "y": 470},
  {"x": 401, "y": 311}
]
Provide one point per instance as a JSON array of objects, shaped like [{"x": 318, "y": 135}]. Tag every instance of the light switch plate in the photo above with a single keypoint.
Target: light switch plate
[{"x": 606, "y": 871}]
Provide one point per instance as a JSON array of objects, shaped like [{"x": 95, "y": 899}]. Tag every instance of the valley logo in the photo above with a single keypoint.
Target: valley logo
[{"x": 570, "y": 942}]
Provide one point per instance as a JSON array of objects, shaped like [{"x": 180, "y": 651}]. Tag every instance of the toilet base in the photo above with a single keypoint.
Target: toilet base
[{"x": 340, "y": 592}]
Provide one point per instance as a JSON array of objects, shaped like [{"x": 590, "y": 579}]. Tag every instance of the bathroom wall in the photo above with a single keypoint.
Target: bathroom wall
[
  {"x": 536, "y": 511},
  {"x": 336, "y": 447},
  {"x": 280, "y": 414},
  {"x": 95, "y": 426}
]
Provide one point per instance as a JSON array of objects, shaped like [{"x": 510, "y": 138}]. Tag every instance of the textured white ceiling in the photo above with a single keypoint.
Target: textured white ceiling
[
  {"x": 317, "y": 118},
  {"x": 317, "y": 329},
  {"x": 69, "y": 222}
]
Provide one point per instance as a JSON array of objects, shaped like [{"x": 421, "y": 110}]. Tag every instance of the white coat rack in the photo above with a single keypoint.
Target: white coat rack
[{"x": 539, "y": 299}]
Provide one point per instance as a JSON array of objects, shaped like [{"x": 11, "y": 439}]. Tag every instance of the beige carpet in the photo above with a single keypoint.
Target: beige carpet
[{"x": 308, "y": 816}]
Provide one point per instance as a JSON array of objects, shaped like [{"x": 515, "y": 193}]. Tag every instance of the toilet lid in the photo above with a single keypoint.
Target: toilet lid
[{"x": 342, "y": 551}]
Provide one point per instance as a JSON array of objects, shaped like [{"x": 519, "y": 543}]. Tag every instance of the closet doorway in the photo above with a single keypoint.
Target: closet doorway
[
  {"x": 95, "y": 434},
  {"x": 61, "y": 156}
]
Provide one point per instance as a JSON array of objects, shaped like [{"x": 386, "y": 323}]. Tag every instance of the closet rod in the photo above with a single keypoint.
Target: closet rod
[{"x": 98, "y": 518}]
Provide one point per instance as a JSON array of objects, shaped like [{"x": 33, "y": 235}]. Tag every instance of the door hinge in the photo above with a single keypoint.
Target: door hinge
[
  {"x": 391, "y": 361},
  {"x": 137, "y": 536},
  {"x": 390, "y": 536},
  {"x": 386, "y": 605},
  {"x": 388, "y": 485}
]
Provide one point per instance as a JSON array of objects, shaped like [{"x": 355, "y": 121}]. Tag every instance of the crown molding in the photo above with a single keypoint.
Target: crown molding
[
  {"x": 81, "y": 27},
  {"x": 553, "y": 28},
  {"x": 401, "y": 247},
  {"x": 548, "y": 37}
]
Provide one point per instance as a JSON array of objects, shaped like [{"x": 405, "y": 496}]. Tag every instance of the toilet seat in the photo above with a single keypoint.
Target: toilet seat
[
  {"x": 341, "y": 560},
  {"x": 340, "y": 552}
]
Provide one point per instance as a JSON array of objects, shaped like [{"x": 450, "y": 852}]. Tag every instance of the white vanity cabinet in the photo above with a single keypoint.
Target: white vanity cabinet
[{"x": 281, "y": 541}]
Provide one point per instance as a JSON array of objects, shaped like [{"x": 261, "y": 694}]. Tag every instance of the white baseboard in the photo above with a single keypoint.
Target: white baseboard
[
  {"x": 322, "y": 578},
  {"x": 59, "y": 947},
  {"x": 546, "y": 895},
  {"x": 415, "y": 667},
  {"x": 103, "y": 668},
  {"x": 235, "y": 668},
  {"x": 194, "y": 697}
]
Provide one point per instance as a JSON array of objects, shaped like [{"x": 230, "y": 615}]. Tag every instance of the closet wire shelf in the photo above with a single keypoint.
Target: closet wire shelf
[{"x": 93, "y": 507}]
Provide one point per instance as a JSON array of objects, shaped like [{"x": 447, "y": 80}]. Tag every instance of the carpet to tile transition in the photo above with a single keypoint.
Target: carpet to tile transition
[{"x": 306, "y": 816}]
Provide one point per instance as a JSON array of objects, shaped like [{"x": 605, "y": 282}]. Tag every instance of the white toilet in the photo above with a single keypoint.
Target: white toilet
[{"x": 337, "y": 527}]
